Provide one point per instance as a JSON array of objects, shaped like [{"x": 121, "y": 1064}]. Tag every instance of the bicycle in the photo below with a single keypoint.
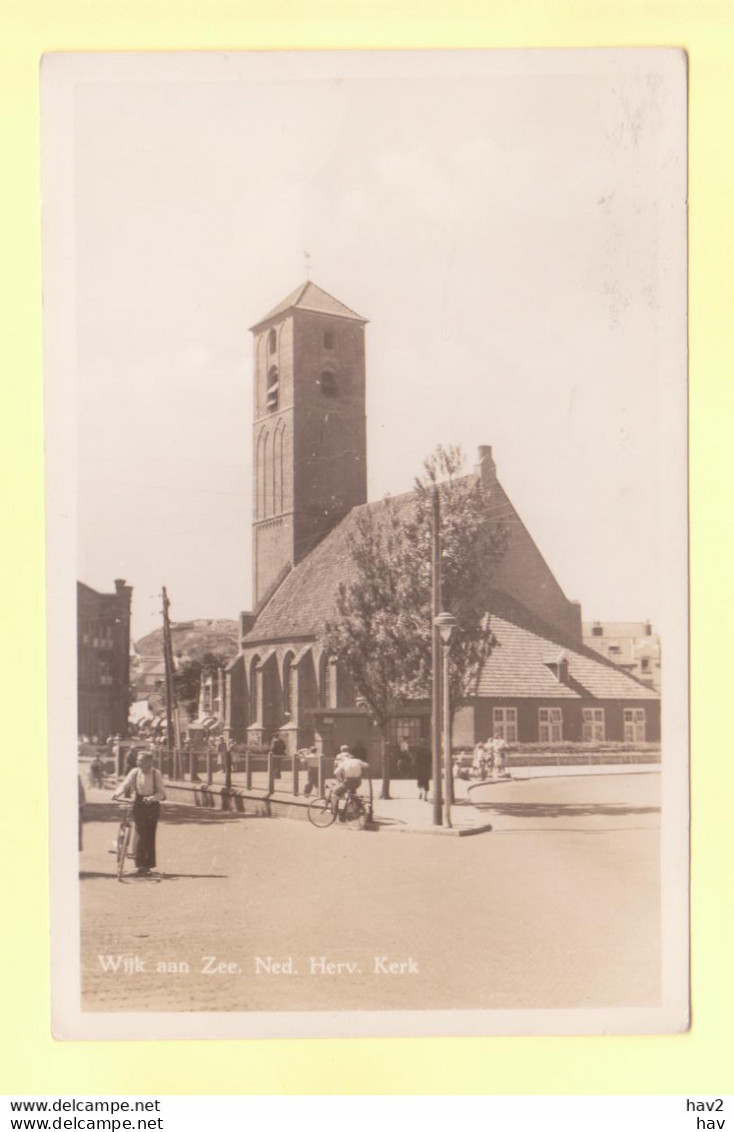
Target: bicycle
[
  {"x": 352, "y": 809},
  {"x": 124, "y": 835}
]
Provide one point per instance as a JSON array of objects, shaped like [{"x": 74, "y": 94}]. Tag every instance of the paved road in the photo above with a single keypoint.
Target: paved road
[
  {"x": 548, "y": 911},
  {"x": 600, "y": 802}
]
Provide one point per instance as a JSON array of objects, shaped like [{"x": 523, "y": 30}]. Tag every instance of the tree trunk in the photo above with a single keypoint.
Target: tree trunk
[{"x": 385, "y": 793}]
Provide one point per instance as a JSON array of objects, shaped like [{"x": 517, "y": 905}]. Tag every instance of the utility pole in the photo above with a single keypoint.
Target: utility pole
[
  {"x": 172, "y": 738},
  {"x": 436, "y": 654}
]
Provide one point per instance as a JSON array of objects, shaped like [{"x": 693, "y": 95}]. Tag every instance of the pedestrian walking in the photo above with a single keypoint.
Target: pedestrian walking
[
  {"x": 479, "y": 761},
  {"x": 500, "y": 758},
  {"x": 423, "y": 770},
  {"x": 278, "y": 751},
  {"x": 145, "y": 785},
  {"x": 311, "y": 762},
  {"x": 222, "y": 754},
  {"x": 131, "y": 759}
]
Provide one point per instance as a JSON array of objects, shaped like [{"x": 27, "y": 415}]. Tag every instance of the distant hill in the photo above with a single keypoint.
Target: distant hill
[{"x": 191, "y": 639}]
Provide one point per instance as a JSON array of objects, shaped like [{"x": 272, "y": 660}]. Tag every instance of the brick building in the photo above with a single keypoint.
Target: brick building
[
  {"x": 631, "y": 645},
  {"x": 541, "y": 684},
  {"x": 103, "y": 660}
]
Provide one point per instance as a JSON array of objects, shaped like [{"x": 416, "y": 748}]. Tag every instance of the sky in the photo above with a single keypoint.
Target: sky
[{"x": 509, "y": 224}]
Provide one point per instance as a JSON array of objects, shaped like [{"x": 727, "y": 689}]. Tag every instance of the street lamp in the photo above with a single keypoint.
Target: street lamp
[{"x": 446, "y": 625}]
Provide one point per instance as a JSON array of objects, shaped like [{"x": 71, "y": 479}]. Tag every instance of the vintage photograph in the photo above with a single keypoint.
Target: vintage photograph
[{"x": 367, "y": 542}]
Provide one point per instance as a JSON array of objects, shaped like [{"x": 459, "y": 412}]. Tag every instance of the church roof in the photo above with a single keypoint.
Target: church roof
[
  {"x": 309, "y": 297},
  {"x": 306, "y": 598},
  {"x": 519, "y": 667}
]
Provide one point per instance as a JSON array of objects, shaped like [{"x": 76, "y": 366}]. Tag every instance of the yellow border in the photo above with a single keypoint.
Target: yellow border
[{"x": 697, "y": 1062}]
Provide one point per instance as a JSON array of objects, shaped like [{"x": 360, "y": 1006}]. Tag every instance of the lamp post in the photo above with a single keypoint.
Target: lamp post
[{"x": 446, "y": 625}]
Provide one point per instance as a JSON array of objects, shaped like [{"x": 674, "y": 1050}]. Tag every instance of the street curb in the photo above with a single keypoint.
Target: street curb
[{"x": 434, "y": 830}]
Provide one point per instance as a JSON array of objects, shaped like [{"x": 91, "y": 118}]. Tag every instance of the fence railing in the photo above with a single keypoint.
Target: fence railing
[{"x": 270, "y": 772}]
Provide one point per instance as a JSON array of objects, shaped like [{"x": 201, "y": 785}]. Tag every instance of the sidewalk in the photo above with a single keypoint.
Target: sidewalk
[{"x": 405, "y": 812}]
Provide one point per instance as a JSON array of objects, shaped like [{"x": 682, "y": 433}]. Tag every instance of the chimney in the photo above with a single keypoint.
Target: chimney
[
  {"x": 247, "y": 620},
  {"x": 486, "y": 468},
  {"x": 119, "y": 585}
]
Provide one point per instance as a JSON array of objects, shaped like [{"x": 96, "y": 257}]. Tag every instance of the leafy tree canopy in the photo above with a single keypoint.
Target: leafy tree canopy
[{"x": 189, "y": 673}]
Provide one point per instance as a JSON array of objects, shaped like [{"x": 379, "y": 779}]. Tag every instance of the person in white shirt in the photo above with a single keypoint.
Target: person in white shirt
[
  {"x": 144, "y": 784},
  {"x": 479, "y": 761},
  {"x": 348, "y": 772},
  {"x": 500, "y": 758}
]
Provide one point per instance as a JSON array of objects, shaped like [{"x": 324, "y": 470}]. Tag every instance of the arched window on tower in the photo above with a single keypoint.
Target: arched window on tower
[
  {"x": 261, "y": 473},
  {"x": 272, "y": 397},
  {"x": 255, "y": 678},
  {"x": 289, "y": 686},
  {"x": 278, "y": 470},
  {"x": 264, "y": 486},
  {"x": 272, "y": 341},
  {"x": 328, "y": 383}
]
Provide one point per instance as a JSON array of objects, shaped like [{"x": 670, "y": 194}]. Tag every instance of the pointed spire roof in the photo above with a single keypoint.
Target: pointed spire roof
[{"x": 309, "y": 297}]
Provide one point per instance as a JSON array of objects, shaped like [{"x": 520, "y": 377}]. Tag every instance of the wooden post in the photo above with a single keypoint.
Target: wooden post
[
  {"x": 172, "y": 736},
  {"x": 448, "y": 784},
  {"x": 271, "y": 772},
  {"x": 324, "y": 761},
  {"x": 209, "y": 767},
  {"x": 228, "y": 768},
  {"x": 295, "y": 772},
  {"x": 248, "y": 770}
]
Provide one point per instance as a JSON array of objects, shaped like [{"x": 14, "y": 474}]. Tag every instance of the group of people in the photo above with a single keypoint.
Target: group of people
[{"x": 489, "y": 759}]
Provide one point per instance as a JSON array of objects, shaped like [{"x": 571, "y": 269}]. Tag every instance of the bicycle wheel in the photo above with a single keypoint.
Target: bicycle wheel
[
  {"x": 320, "y": 812},
  {"x": 123, "y": 840},
  {"x": 354, "y": 813}
]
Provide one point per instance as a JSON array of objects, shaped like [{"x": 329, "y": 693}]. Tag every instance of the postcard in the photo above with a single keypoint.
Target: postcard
[{"x": 366, "y": 448}]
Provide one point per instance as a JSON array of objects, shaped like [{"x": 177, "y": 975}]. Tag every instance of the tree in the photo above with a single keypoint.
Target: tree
[
  {"x": 383, "y": 630},
  {"x": 188, "y": 677},
  {"x": 363, "y": 635}
]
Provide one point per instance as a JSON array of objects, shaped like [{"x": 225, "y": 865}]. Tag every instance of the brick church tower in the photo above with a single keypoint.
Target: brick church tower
[{"x": 309, "y": 433}]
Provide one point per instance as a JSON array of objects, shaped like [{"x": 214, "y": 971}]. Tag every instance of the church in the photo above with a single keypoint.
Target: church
[{"x": 541, "y": 684}]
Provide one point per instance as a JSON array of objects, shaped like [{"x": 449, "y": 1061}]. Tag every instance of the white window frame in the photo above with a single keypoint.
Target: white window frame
[
  {"x": 635, "y": 725},
  {"x": 550, "y": 725},
  {"x": 405, "y": 729},
  {"x": 593, "y": 730},
  {"x": 272, "y": 392},
  {"x": 504, "y": 724}
]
